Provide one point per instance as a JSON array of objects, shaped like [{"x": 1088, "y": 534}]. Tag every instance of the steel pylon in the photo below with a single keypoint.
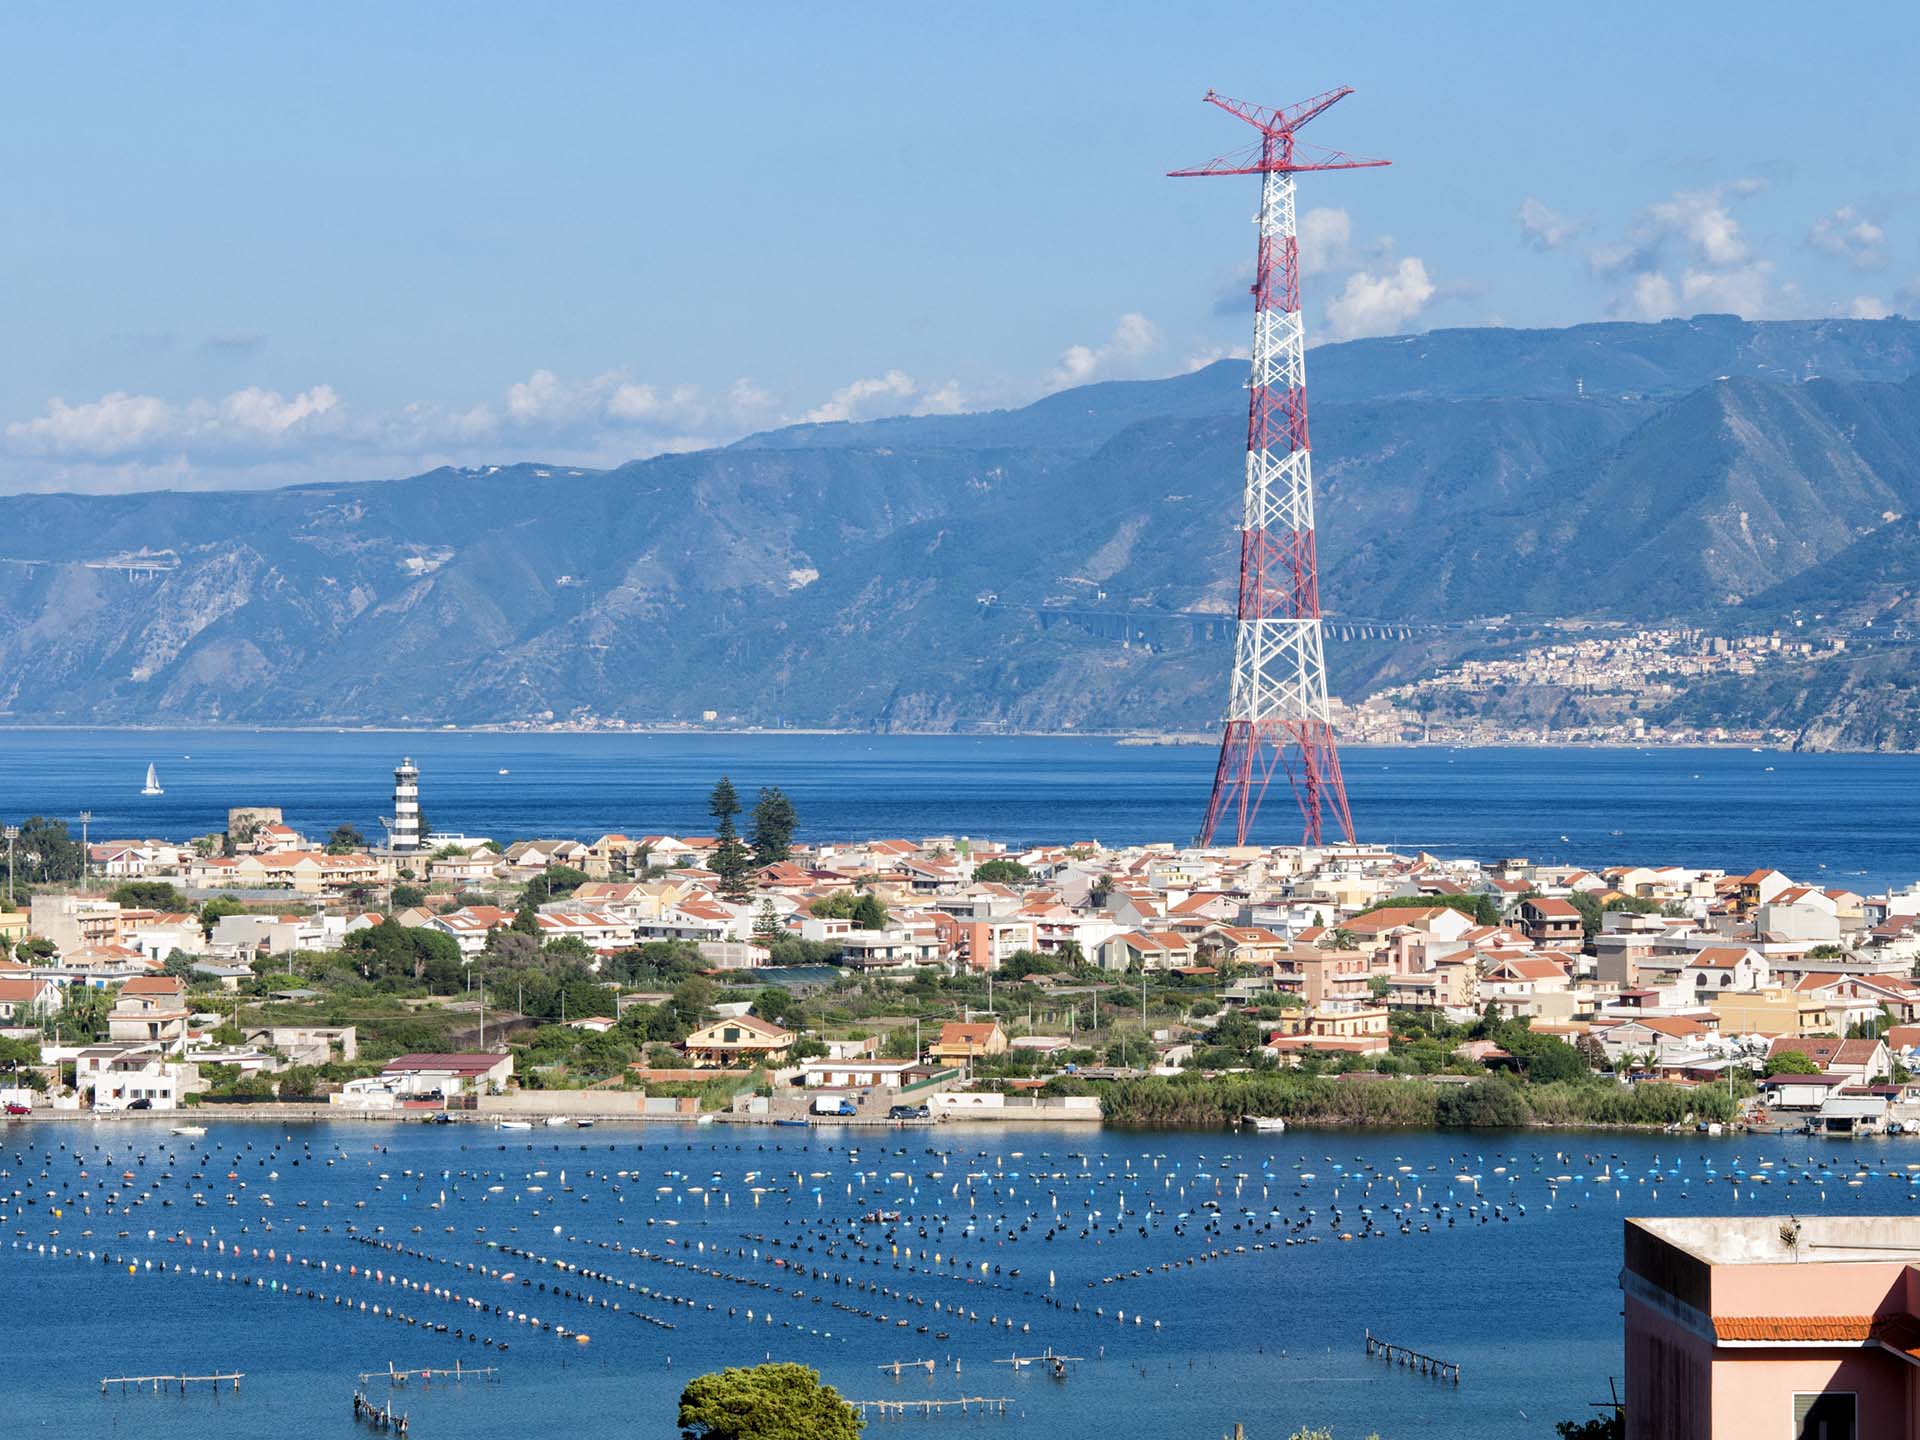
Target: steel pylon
[{"x": 1278, "y": 716}]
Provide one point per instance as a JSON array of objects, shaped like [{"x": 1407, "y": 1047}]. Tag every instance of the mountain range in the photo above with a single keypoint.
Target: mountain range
[{"x": 1070, "y": 564}]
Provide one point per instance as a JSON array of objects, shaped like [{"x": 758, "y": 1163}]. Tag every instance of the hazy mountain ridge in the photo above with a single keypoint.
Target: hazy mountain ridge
[{"x": 1040, "y": 568}]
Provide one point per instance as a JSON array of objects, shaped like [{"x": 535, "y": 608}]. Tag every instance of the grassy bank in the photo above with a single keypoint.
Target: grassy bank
[{"x": 1201, "y": 1102}]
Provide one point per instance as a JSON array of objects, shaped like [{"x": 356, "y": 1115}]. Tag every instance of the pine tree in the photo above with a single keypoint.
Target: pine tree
[
  {"x": 723, "y": 805},
  {"x": 766, "y": 924},
  {"x": 773, "y": 822},
  {"x": 730, "y": 858}
]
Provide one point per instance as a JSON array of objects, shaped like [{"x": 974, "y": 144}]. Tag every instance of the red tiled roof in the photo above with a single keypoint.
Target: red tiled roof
[
  {"x": 1793, "y": 1327},
  {"x": 152, "y": 985}
]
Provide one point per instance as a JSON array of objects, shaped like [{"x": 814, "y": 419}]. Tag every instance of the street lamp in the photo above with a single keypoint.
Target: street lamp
[
  {"x": 12, "y": 832},
  {"x": 86, "y": 852}
]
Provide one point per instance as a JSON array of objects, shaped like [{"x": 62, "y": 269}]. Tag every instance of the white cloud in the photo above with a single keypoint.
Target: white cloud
[
  {"x": 863, "y": 398},
  {"x": 1847, "y": 235},
  {"x": 946, "y": 399},
  {"x": 1325, "y": 238},
  {"x": 1132, "y": 338},
  {"x": 1687, "y": 254},
  {"x": 1743, "y": 290},
  {"x": 1867, "y": 307},
  {"x": 1701, "y": 218},
  {"x": 121, "y": 424},
  {"x": 1543, "y": 228},
  {"x": 1380, "y": 304},
  {"x": 1652, "y": 297}
]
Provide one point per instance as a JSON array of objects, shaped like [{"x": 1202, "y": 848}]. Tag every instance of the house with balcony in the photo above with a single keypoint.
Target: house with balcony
[
  {"x": 151, "y": 1010},
  {"x": 738, "y": 1041},
  {"x": 963, "y": 1042},
  {"x": 1549, "y": 921}
]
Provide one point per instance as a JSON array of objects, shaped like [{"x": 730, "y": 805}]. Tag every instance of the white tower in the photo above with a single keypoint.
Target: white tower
[{"x": 406, "y": 806}]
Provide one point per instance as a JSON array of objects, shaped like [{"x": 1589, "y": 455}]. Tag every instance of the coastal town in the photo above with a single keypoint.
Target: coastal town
[
  {"x": 749, "y": 976},
  {"x": 1588, "y": 684}
]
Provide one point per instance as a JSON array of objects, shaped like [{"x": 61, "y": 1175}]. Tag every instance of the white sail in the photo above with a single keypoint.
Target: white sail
[{"x": 153, "y": 782}]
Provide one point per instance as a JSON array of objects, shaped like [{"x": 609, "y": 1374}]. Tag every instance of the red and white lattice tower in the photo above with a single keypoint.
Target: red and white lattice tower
[{"x": 1277, "y": 712}]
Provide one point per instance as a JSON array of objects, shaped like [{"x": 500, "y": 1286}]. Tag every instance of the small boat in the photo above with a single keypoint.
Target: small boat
[
  {"x": 504, "y": 771},
  {"x": 790, "y": 1122},
  {"x": 189, "y": 1130},
  {"x": 554, "y": 1122},
  {"x": 1264, "y": 1124},
  {"x": 585, "y": 1122},
  {"x": 513, "y": 1125},
  {"x": 152, "y": 787}
]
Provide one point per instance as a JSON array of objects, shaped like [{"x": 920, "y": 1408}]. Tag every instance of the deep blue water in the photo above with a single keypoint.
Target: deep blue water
[
  {"x": 1839, "y": 818},
  {"x": 1525, "y": 1298}
]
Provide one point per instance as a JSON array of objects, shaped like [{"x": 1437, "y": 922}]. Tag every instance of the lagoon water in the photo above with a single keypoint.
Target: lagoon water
[
  {"x": 1840, "y": 819},
  {"x": 1509, "y": 1266}
]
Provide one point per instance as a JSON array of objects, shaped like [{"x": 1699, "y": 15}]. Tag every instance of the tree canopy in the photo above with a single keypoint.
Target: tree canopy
[
  {"x": 345, "y": 840},
  {"x": 767, "y": 1402},
  {"x": 45, "y": 854},
  {"x": 553, "y": 883},
  {"x": 1002, "y": 872},
  {"x": 150, "y": 895},
  {"x": 773, "y": 821}
]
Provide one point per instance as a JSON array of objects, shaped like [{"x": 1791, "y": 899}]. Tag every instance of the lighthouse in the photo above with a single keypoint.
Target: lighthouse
[{"x": 406, "y": 807}]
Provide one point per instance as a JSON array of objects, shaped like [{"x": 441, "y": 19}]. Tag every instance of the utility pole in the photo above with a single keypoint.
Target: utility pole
[
  {"x": 86, "y": 851},
  {"x": 1277, "y": 709},
  {"x": 12, "y": 832}
]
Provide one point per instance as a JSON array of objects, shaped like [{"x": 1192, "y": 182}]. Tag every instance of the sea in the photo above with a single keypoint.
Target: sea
[
  {"x": 1845, "y": 820},
  {"x": 1191, "y": 1281}
]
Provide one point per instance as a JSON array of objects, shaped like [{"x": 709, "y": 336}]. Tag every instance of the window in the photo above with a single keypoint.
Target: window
[{"x": 1830, "y": 1416}]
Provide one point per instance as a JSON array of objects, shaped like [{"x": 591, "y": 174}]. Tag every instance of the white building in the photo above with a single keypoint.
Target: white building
[{"x": 125, "y": 1077}]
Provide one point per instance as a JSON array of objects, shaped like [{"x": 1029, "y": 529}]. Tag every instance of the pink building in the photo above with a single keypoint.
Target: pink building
[{"x": 1801, "y": 1328}]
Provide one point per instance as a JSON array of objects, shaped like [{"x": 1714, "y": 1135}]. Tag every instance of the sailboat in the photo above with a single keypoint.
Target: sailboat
[{"x": 152, "y": 786}]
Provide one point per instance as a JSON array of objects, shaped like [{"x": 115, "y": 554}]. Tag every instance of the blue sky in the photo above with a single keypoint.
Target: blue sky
[{"x": 256, "y": 245}]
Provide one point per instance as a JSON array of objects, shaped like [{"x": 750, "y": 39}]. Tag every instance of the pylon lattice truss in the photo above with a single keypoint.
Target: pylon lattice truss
[{"x": 1277, "y": 710}]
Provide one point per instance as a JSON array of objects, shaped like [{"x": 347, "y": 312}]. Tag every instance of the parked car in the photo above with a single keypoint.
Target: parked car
[
  {"x": 909, "y": 1112},
  {"x": 14, "y": 1107},
  {"x": 143, "y": 1103}
]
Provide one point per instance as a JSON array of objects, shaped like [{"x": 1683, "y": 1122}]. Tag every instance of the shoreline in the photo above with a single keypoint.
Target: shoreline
[
  {"x": 1127, "y": 739},
  {"x": 315, "y": 1114}
]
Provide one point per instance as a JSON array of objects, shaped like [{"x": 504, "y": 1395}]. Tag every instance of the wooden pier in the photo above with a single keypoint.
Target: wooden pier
[
  {"x": 232, "y": 1378},
  {"x": 401, "y": 1377},
  {"x": 1412, "y": 1359},
  {"x": 378, "y": 1417},
  {"x": 965, "y": 1404}
]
